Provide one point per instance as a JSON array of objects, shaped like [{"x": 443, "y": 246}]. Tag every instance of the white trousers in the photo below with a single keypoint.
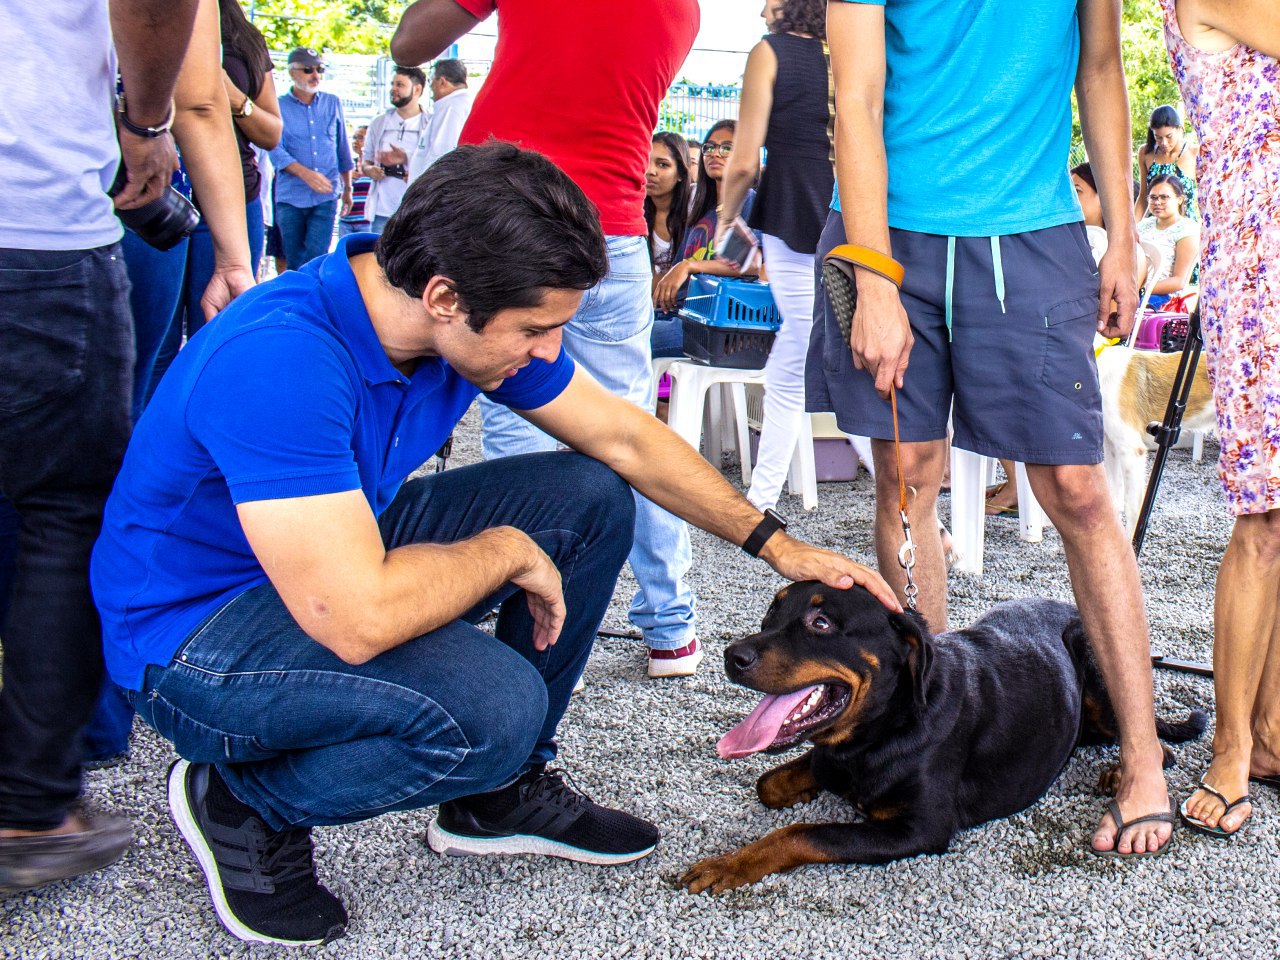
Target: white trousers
[{"x": 791, "y": 280}]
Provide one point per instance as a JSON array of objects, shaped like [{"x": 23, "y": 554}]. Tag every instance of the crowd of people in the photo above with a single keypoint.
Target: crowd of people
[{"x": 209, "y": 475}]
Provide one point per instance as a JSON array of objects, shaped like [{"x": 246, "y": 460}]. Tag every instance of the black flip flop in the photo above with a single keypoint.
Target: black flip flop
[
  {"x": 1199, "y": 826},
  {"x": 1165, "y": 816}
]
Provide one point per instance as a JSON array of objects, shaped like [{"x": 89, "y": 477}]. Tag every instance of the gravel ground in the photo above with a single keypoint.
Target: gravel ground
[{"x": 1022, "y": 887}]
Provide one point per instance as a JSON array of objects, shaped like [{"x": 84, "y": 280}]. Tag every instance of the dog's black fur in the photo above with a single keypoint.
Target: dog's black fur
[{"x": 924, "y": 735}]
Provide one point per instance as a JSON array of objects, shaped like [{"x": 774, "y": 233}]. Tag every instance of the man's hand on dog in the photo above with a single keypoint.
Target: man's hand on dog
[{"x": 797, "y": 560}]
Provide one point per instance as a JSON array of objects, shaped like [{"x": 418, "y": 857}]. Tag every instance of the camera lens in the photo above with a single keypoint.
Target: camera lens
[{"x": 164, "y": 222}]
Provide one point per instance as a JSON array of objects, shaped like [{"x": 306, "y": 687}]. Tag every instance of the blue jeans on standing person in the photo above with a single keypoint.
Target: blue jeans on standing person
[
  {"x": 667, "y": 338},
  {"x": 307, "y": 739},
  {"x": 305, "y": 231},
  {"x": 65, "y": 381},
  {"x": 200, "y": 264},
  {"x": 609, "y": 338}
]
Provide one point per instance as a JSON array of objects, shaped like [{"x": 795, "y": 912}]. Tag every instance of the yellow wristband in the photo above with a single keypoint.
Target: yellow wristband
[{"x": 868, "y": 259}]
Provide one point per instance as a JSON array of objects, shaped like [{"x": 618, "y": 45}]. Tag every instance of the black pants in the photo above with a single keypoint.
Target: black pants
[{"x": 66, "y": 368}]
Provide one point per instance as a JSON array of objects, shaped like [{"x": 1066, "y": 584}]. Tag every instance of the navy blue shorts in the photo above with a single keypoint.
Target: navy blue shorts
[{"x": 1018, "y": 379}]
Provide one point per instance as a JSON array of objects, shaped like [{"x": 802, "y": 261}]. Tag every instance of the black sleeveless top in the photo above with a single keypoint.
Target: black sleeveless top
[{"x": 799, "y": 174}]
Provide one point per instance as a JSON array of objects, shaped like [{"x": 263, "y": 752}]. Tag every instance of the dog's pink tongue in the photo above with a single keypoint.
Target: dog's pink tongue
[{"x": 761, "y": 728}]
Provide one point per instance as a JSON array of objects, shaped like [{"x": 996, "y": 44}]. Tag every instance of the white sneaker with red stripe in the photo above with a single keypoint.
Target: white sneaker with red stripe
[{"x": 682, "y": 662}]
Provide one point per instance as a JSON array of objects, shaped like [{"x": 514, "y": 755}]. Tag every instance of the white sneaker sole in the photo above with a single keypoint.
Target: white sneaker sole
[
  {"x": 184, "y": 817},
  {"x": 680, "y": 667},
  {"x": 452, "y": 845}
]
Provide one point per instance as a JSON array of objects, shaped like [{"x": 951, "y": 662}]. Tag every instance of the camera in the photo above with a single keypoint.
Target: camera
[
  {"x": 164, "y": 222},
  {"x": 396, "y": 170}
]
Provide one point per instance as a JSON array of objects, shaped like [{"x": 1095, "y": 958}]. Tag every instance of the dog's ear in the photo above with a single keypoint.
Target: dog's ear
[{"x": 911, "y": 628}]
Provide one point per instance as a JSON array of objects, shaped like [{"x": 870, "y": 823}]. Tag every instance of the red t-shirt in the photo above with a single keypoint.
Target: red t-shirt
[{"x": 581, "y": 81}]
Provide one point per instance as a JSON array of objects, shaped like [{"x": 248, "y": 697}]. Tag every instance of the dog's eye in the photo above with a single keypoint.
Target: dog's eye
[{"x": 819, "y": 623}]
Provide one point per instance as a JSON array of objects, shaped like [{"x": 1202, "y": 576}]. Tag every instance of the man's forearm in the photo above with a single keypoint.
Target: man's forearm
[
  {"x": 1104, "y": 115},
  {"x": 427, "y": 28},
  {"x": 151, "y": 38}
]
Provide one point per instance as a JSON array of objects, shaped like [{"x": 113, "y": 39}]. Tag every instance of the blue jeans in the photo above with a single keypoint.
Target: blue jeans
[
  {"x": 667, "y": 339},
  {"x": 66, "y": 373},
  {"x": 609, "y": 338},
  {"x": 348, "y": 227},
  {"x": 156, "y": 278},
  {"x": 200, "y": 263},
  {"x": 307, "y": 739},
  {"x": 305, "y": 231},
  {"x": 379, "y": 224}
]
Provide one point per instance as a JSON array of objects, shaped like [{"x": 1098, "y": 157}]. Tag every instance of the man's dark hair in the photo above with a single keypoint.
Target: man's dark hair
[
  {"x": 802, "y": 16},
  {"x": 502, "y": 225},
  {"x": 415, "y": 75},
  {"x": 452, "y": 70}
]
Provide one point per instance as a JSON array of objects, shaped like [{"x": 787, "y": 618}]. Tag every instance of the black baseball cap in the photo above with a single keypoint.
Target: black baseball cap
[{"x": 305, "y": 57}]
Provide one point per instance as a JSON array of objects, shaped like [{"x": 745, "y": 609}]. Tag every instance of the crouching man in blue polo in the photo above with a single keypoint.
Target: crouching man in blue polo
[{"x": 299, "y": 620}]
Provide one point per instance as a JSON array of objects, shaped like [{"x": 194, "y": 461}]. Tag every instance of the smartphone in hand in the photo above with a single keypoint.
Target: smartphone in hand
[{"x": 737, "y": 244}]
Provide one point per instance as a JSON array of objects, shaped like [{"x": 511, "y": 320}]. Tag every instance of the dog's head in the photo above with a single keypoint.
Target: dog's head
[{"x": 827, "y": 659}]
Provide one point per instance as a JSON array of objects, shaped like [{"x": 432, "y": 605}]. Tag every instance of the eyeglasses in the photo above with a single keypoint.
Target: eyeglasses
[
  {"x": 1162, "y": 198},
  {"x": 710, "y": 149},
  {"x": 309, "y": 70}
]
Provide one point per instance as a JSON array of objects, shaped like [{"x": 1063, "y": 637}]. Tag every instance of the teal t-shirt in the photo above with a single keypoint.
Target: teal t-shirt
[{"x": 977, "y": 114}]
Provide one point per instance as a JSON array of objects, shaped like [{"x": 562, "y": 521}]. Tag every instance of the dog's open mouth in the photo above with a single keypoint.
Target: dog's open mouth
[{"x": 782, "y": 720}]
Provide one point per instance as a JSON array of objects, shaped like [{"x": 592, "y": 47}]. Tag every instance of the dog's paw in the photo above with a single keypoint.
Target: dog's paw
[
  {"x": 777, "y": 795},
  {"x": 719, "y": 874},
  {"x": 1109, "y": 780}
]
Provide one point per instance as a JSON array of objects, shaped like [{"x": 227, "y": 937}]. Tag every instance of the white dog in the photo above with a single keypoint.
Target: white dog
[{"x": 1135, "y": 391}]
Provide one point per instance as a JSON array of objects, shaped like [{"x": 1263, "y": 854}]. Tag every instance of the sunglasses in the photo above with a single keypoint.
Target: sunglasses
[
  {"x": 310, "y": 70},
  {"x": 723, "y": 149}
]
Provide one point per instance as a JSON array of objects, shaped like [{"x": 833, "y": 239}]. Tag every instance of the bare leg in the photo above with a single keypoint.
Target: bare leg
[
  {"x": 922, "y": 463},
  {"x": 1007, "y": 495},
  {"x": 1104, "y": 577},
  {"x": 1244, "y": 642}
]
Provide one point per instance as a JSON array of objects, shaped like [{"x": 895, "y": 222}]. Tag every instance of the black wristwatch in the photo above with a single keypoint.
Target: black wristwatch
[
  {"x": 150, "y": 133},
  {"x": 770, "y": 524}
]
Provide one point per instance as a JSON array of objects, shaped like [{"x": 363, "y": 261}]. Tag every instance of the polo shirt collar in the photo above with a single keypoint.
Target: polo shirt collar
[{"x": 351, "y": 316}]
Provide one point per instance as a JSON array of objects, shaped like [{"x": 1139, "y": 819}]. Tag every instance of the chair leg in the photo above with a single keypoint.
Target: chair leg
[
  {"x": 688, "y": 396},
  {"x": 742, "y": 429},
  {"x": 1031, "y": 519},
  {"x": 803, "y": 475},
  {"x": 968, "y": 514}
]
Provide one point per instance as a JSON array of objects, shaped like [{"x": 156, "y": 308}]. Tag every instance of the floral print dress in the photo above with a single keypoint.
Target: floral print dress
[{"x": 1233, "y": 99}]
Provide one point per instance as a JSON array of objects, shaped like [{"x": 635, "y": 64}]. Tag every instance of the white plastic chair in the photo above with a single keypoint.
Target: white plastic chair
[
  {"x": 691, "y": 383},
  {"x": 970, "y": 474},
  {"x": 1155, "y": 261}
]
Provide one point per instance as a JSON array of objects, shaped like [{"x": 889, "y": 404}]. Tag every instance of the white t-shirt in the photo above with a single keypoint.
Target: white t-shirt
[
  {"x": 1166, "y": 241},
  {"x": 661, "y": 254},
  {"x": 59, "y": 156},
  {"x": 448, "y": 115},
  {"x": 386, "y": 194}
]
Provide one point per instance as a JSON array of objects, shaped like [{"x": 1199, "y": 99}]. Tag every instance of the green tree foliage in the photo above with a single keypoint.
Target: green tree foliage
[
  {"x": 1146, "y": 62},
  {"x": 330, "y": 26}
]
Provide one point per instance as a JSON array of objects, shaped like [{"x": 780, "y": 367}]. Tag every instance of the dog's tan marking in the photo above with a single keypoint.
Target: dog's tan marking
[
  {"x": 782, "y": 594},
  {"x": 887, "y": 812},
  {"x": 789, "y": 784},
  {"x": 781, "y": 850},
  {"x": 817, "y": 600},
  {"x": 871, "y": 659}
]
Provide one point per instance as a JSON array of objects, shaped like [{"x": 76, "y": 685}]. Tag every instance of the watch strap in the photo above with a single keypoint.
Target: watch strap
[
  {"x": 769, "y": 524},
  {"x": 149, "y": 133}
]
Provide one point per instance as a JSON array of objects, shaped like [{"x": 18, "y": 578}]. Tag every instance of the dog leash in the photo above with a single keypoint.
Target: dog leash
[{"x": 907, "y": 553}]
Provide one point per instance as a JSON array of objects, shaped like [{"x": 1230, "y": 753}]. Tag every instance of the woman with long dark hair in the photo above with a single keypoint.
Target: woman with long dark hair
[
  {"x": 666, "y": 197},
  {"x": 786, "y": 108},
  {"x": 1167, "y": 152},
  {"x": 1174, "y": 234}
]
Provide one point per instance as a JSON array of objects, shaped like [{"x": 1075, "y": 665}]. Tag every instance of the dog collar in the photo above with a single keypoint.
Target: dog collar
[{"x": 769, "y": 524}]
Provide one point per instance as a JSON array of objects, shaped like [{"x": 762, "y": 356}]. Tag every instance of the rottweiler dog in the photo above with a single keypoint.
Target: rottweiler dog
[{"x": 924, "y": 735}]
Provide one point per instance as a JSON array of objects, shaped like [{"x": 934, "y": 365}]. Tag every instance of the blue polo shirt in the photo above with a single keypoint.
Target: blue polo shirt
[
  {"x": 288, "y": 393},
  {"x": 977, "y": 114}
]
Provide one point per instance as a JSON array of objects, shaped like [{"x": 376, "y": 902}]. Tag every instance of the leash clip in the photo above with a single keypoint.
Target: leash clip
[{"x": 907, "y": 560}]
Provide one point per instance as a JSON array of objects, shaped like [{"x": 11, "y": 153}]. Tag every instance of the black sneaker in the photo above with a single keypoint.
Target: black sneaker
[
  {"x": 263, "y": 882},
  {"x": 540, "y": 813}
]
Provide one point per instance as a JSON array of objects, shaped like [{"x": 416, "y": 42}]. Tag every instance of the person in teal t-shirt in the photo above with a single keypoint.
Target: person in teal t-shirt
[{"x": 954, "y": 124}]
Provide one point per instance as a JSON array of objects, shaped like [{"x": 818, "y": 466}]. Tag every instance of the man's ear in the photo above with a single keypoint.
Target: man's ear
[
  {"x": 441, "y": 301},
  {"x": 911, "y": 628}
]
